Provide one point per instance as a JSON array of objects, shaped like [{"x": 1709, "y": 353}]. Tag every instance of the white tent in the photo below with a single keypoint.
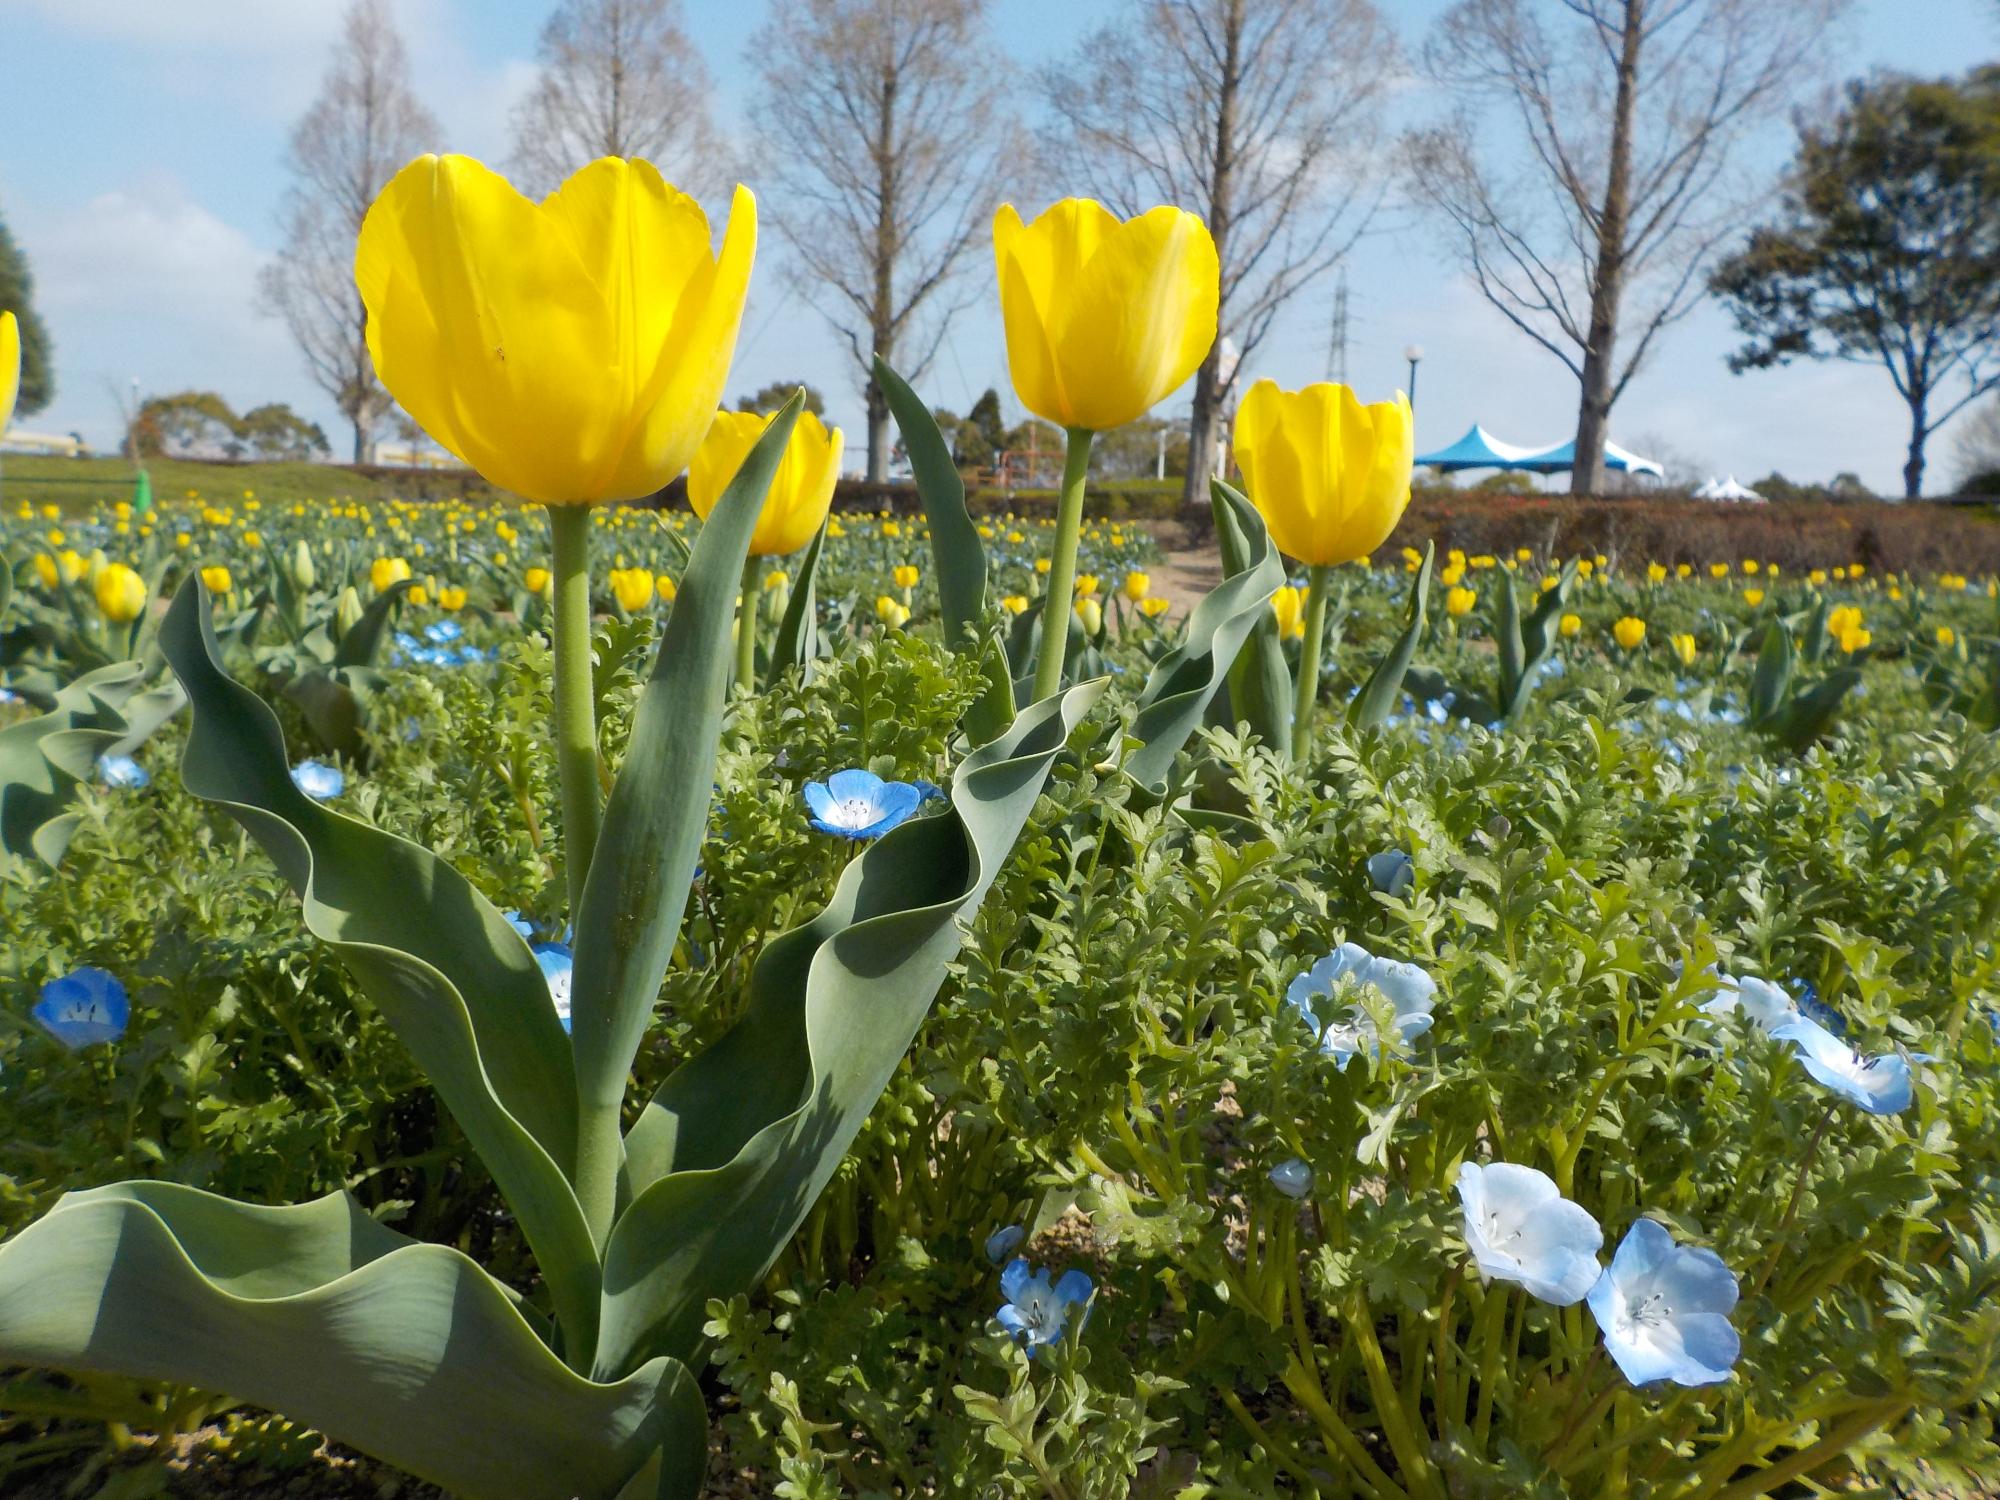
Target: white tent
[{"x": 1725, "y": 489}]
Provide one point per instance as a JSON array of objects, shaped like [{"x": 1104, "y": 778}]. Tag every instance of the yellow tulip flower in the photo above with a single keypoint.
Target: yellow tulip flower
[
  {"x": 1843, "y": 619},
  {"x": 666, "y": 588},
  {"x": 1086, "y": 584},
  {"x": 906, "y": 576},
  {"x": 1104, "y": 318},
  {"x": 1459, "y": 601},
  {"x": 1750, "y": 566},
  {"x": 1684, "y": 648},
  {"x": 121, "y": 593},
  {"x": 1656, "y": 572},
  {"x": 1816, "y": 577},
  {"x": 1330, "y": 476},
  {"x": 1683, "y": 570},
  {"x": 419, "y": 596},
  {"x": 1753, "y": 597},
  {"x": 217, "y": 579},
  {"x": 776, "y": 579},
  {"x": 1718, "y": 570},
  {"x": 1854, "y": 638},
  {"x": 536, "y": 580},
  {"x": 571, "y": 350},
  {"x": 10, "y": 367},
  {"x": 1153, "y": 606},
  {"x": 1137, "y": 586},
  {"x": 1289, "y": 605},
  {"x": 1015, "y": 604},
  {"x": 1629, "y": 632},
  {"x": 891, "y": 613},
  {"x": 451, "y": 599},
  {"x": 1946, "y": 636},
  {"x": 801, "y": 491},
  {"x": 1090, "y": 614},
  {"x": 385, "y": 572}
]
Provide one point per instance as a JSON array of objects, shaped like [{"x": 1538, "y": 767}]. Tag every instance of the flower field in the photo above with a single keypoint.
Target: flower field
[{"x": 577, "y": 999}]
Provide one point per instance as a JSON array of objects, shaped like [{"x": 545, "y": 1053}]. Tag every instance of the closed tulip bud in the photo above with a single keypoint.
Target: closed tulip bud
[
  {"x": 304, "y": 574},
  {"x": 571, "y": 350},
  {"x": 347, "y": 613},
  {"x": 1330, "y": 476},
  {"x": 632, "y": 587},
  {"x": 666, "y": 588},
  {"x": 1946, "y": 636},
  {"x": 121, "y": 593},
  {"x": 386, "y": 572},
  {"x": 1684, "y": 648},
  {"x": 906, "y": 577},
  {"x": 1629, "y": 632},
  {"x": 1104, "y": 317},
  {"x": 536, "y": 580},
  {"x": 891, "y": 613},
  {"x": 217, "y": 580},
  {"x": 1569, "y": 625},
  {"x": 776, "y": 580},
  {"x": 419, "y": 596},
  {"x": 801, "y": 491},
  {"x": 1137, "y": 586},
  {"x": 1656, "y": 572},
  {"x": 1090, "y": 614},
  {"x": 1289, "y": 605},
  {"x": 1459, "y": 601}
]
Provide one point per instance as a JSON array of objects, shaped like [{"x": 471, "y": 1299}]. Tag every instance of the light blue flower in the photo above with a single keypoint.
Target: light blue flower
[
  {"x": 1881, "y": 1085},
  {"x": 84, "y": 1007},
  {"x": 1664, "y": 1309},
  {"x": 443, "y": 632},
  {"x": 555, "y": 963},
  {"x": 1293, "y": 1178},
  {"x": 318, "y": 780},
  {"x": 519, "y": 923},
  {"x": 123, "y": 772},
  {"x": 1002, "y": 1242},
  {"x": 1391, "y": 872},
  {"x": 1520, "y": 1228},
  {"x": 1035, "y": 1310},
  {"x": 1756, "y": 1000},
  {"x": 856, "y": 804},
  {"x": 1409, "y": 990}
]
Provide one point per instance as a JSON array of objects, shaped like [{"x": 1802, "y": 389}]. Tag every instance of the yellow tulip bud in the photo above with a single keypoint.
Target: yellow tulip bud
[
  {"x": 386, "y": 572},
  {"x": 1041, "y": 565},
  {"x": 217, "y": 580},
  {"x": 1569, "y": 625},
  {"x": 890, "y": 612},
  {"x": 905, "y": 576},
  {"x": 1289, "y": 605},
  {"x": 1630, "y": 632},
  {"x": 1656, "y": 572},
  {"x": 666, "y": 588},
  {"x": 1137, "y": 586},
  {"x": 121, "y": 593},
  {"x": 1090, "y": 614},
  {"x": 1946, "y": 636},
  {"x": 1684, "y": 648},
  {"x": 1104, "y": 318},
  {"x": 419, "y": 596},
  {"x": 1683, "y": 570},
  {"x": 1459, "y": 601},
  {"x": 1330, "y": 476},
  {"x": 632, "y": 587},
  {"x": 801, "y": 491},
  {"x": 452, "y": 599},
  {"x": 1753, "y": 597},
  {"x": 571, "y": 350},
  {"x": 1750, "y": 566},
  {"x": 777, "y": 579},
  {"x": 536, "y": 580},
  {"x": 1718, "y": 570},
  {"x": 304, "y": 574},
  {"x": 1842, "y": 619}
]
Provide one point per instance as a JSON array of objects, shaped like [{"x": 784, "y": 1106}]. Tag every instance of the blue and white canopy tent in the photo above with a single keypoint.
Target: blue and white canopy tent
[
  {"x": 1478, "y": 449},
  {"x": 1563, "y": 456}
]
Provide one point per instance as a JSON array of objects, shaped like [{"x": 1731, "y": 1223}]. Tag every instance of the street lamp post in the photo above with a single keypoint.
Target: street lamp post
[{"x": 1413, "y": 353}]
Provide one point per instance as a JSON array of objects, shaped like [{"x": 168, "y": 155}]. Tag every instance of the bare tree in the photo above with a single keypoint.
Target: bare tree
[
  {"x": 619, "y": 78},
  {"x": 1259, "y": 115},
  {"x": 364, "y": 126},
  {"x": 883, "y": 125},
  {"x": 1622, "y": 118}
]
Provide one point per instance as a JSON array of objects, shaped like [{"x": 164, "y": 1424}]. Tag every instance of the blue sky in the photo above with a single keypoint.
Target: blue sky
[{"x": 141, "y": 146}]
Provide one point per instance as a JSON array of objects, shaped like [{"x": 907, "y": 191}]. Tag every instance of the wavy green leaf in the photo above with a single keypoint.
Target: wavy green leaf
[
  {"x": 960, "y": 559},
  {"x": 406, "y": 1351},
  {"x": 445, "y": 968},
  {"x": 1260, "y": 680},
  {"x": 730, "y": 1155},
  {"x": 1183, "y": 682},
  {"x": 1379, "y": 694},
  {"x": 357, "y": 648},
  {"x": 1773, "y": 676},
  {"x": 798, "y": 633},
  {"x": 43, "y": 759}
]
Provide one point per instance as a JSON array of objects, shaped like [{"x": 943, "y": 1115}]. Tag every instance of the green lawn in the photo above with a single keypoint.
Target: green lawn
[{"x": 85, "y": 484}]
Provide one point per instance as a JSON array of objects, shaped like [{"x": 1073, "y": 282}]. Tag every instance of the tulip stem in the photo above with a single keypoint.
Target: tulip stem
[
  {"x": 1056, "y": 604},
  {"x": 1305, "y": 692},
  {"x": 575, "y": 694},
  {"x": 746, "y": 627}
]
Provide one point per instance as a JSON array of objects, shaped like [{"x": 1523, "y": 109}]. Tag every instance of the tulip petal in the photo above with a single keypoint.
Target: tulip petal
[{"x": 10, "y": 366}]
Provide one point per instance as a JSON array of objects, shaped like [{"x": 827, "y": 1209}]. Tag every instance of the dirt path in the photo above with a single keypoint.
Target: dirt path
[{"x": 1184, "y": 572}]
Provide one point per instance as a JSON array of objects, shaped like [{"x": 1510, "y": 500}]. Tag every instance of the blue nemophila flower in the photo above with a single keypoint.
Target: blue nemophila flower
[
  {"x": 1520, "y": 1228},
  {"x": 1758, "y": 1000},
  {"x": 856, "y": 804},
  {"x": 1880, "y": 1085},
  {"x": 1664, "y": 1309},
  {"x": 519, "y": 923},
  {"x": 1036, "y": 1310},
  {"x": 443, "y": 632},
  {"x": 929, "y": 791},
  {"x": 123, "y": 772},
  {"x": 1292, "y": 1178},
  {"x": 84, "y": 1007},
  {"x": 1391, "y": 872},
  {"x": 1408, "y": 989},
  {"x": 555, "y": 963},
  {"x": 318, "y": 780},
  {"x": 1003, "y": 1242}
]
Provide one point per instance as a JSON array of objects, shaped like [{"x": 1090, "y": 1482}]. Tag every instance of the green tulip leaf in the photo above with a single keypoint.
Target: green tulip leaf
[
  {"x": 733, "y": 1150},
  {"x": 357, "y": 648},
  {"x": 960, "y": 559},
  {"x": 1260, "y": 681},
  {"x": 43, "y": 759},
  {"x": 1379, "y": 694},
  {"x": 449, "y": 973},
  {"x": 1807, "y": 716},
  {"x": 1182, "y": 683},
  {"x": 1507, "y": 638},
  {"x": 653, "y": 824},
  {"x": 406, "y": 1351},
  {"x": 798, "y": 633},
  {"x": 1772, "y": 679}
]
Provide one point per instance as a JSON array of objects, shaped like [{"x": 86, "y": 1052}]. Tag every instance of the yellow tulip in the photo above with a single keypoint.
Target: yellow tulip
[
  {"x": 1718, "y": 570},
  {"x": 1289, "y": 605},
  {"x": 801, "y": 491},
  {"x": 632, "y": 587},
  {"x": 571, "y": 350},
  {"x": 46, "y": 570},
  {"x": 1090, "y": 614},
  {"x": 452, "y": 599},
  {"x": 1459, "y": 601},
  {"x": 1104, "y": 318},
  {"x": 1630, "y": 632},
  {"x": 1753, "y": 597},
  {"x": 1041, "y": 565},
  {"x": 776, "y": 579},
  {"x": 1816, "y": 577},
  {"x": 1683, "y": 570},
  {"x": 1330, "y": 476},
  {"x": 906, "y": 576},
  {"x": 385, "y": 572},
  {"x": 1137, "y": 586},
  {"x": 121, "y": 593},
  {"x": 1946, "y": 636},
  {"x": 419, "y": 596},
  {"x": 1750, "y": 565},
  {"x": 1452, "y": 574},
  {"x": 1684, "y": 648},
  {"x": 666, "y": 588},
  {"x": 1153, "y": 605},
  {"x": 1086, "y": 584},
  {"x": 1843, "y": 619},
  {"x": 891, "y": 613},
  {"x": 1015, "y": 604},
  {"x": 1656, "y": 572},
  {"x": 1854, "y": 638},
  {"x": 536, "y": 580},
  {"x": 217, "y": 580},
  {"x": 10, "y": 367}
]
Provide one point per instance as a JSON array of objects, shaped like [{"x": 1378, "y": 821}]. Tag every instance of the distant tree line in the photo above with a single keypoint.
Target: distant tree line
[{"x": 200, "y": 424}]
